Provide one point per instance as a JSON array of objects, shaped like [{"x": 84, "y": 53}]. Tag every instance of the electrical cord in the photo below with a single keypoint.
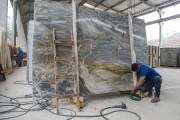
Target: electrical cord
[
  {"x": 6, "y": 111},
  {"x": 22, "y": 82},
  {"x": 44, "y": 104},
  {"x": 101, "y": 112},
  {"x": 25, "y": 112}
]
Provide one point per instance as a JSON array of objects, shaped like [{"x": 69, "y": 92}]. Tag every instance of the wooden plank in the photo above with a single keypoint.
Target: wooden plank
[
  {"x": 55, "y": 69},
  {"x": 64, "y": 43},
  {"x": 74, "y": 65},
  {"x": 75, "y": 48},
  {"x": 65, "y": 76},
  {"x": 66, "y": 96},
  {"x": 157, "y": 56},
  {"x": 133, "y": 55},
  {"x": 154, "y": 57},
  {"x": 63, "y": 59},
  {"x": 150, "y": 56}
]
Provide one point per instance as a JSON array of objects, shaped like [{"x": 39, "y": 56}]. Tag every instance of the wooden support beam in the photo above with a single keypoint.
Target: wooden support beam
[
  {"x": 133, "y": 55},
  {"x": 74, "y": 20}
]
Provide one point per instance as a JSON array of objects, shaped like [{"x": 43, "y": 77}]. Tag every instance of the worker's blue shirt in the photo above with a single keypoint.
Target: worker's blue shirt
[
  {"x": 148, "y": 72},
  {"x": 20, "y": 54}
]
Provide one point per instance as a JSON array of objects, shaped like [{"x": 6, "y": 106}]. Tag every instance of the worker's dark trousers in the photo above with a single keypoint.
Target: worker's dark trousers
[{"x": 149, "y": 84}]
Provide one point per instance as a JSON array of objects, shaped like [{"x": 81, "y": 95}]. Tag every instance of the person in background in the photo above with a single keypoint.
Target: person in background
[
  {"x": 148, "y": 78},
  {"x": 20, "y": 55}
]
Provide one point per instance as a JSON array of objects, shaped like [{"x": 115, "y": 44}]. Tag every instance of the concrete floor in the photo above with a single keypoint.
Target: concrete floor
[{"x": 167, "y": 109}]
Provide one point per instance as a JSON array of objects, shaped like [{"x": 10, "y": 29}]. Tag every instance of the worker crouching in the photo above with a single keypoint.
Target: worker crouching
[{"x": 147, "y": 79}]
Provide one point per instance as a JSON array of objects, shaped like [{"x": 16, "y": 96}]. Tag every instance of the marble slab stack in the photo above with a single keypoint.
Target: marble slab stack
[
  {"x": 30, "y": 50},
  {"x": 103, "y": 46},
  {"x": 153, "y": 56},
  {"x": 169, "y": 57}
]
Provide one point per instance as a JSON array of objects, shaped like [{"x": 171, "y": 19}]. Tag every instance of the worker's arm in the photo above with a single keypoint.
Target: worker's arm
[{"x": 139, "y": 84}]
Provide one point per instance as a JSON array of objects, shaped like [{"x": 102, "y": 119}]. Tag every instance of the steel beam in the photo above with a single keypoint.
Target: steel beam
[
  {"x": 163, "y": 19},
  {"x": 133, "y": 55},
  {"x": 145, "y": 2},
  {"x": 82, "y": 2},
  {"x": 160, "y": 6},
  {"x": 26, "y": 1},
  {"x": 115, "y": 5},
  {"x": 98, "y": 3},
  {"x": 160, "y": 35},
  {"x": 131, "y": 7}
]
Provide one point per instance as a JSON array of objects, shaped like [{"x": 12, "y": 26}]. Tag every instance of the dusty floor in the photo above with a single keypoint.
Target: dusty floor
[{"x": 167, "y": 109}]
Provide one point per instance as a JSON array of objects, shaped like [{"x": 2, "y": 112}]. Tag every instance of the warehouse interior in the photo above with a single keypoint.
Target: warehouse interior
[{"x": 72, "y": 59}]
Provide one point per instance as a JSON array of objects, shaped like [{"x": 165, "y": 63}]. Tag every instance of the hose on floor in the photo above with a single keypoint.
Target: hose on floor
[{"x": 47, "y": 105}]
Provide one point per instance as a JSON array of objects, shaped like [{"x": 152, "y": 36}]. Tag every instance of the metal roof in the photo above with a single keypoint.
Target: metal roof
[{"x": 138, "y": 7}]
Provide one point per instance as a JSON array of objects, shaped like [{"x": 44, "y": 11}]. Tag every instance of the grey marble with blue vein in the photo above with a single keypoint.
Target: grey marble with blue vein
[{"x": 103, "y": 47}]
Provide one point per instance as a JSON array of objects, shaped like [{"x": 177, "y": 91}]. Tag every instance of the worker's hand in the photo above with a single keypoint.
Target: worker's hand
[{"x": 133, "y": 90}]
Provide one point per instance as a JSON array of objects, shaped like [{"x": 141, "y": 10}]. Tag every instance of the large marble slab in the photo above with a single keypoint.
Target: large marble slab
[
  {"x": 30, "y": 50},
  {"x": 103, "y": 46},
  {"x": 169, "y": 57}
]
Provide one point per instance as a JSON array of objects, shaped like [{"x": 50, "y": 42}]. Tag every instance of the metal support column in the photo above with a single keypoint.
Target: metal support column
[
  {"x": 160, "y": 12},
  {"x": 133, "y": 55},
  {"x": 14, "y": 21}
]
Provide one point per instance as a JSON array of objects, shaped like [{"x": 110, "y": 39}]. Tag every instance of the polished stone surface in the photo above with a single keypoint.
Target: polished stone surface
[
  {"x": 103, "y": 46},
  {"x": 30, "y": 50},
  {"x": 169, "y": 57}
]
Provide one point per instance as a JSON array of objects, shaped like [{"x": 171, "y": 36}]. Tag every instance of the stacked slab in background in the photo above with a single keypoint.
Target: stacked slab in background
[
  {"x": 169, "y": 57},
  {"x": 103, "y": 46},
  {"x": 153, "y": 56}
]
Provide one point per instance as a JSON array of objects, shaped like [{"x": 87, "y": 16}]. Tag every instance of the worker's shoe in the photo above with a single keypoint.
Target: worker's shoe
[
  {"x": 155, "y": 100},
  {"x": 150, "y": 93}
]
